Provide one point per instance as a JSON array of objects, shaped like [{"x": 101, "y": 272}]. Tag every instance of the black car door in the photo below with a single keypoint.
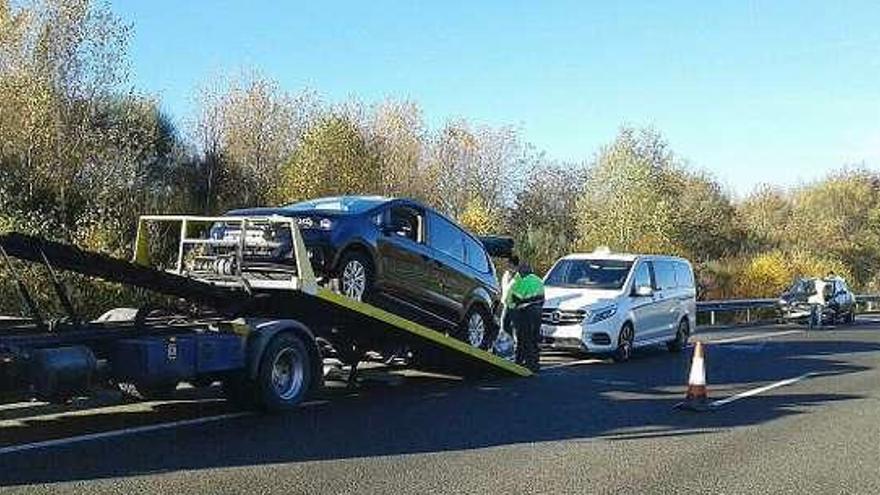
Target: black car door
[
  {"x": 403, "y": 255},
  {"x": 452, "y": 284}
]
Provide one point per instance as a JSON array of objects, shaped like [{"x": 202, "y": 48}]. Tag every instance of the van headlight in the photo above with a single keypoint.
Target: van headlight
[{"x": 602, "y": 314}]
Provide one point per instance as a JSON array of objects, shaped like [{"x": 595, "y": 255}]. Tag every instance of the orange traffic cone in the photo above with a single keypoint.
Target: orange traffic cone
[{"x": 697, "y": 398}]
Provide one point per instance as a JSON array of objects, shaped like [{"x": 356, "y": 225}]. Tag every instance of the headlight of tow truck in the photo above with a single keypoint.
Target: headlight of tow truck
[{"x": 601, "y": 314}]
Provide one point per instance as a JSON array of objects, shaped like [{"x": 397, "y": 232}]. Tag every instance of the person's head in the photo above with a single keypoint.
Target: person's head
[
  {"x": 513, "y": 262},
  {"x": 524, "y": 269}
]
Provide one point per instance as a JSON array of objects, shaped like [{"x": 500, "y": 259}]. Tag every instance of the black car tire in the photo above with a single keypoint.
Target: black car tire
[
  {"x": 356, "y": 276},
  {"x": 462, "y": 333}
]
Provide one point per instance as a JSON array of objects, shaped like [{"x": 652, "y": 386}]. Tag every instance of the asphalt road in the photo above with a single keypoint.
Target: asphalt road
[{"x": 582, "y": 426}]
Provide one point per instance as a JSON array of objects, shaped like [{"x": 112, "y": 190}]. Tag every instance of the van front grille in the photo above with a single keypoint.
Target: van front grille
[{"x": 556, "y": 316}]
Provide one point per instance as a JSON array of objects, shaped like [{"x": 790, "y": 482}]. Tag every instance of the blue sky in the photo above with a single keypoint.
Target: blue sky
[{"x": 779, "y": 92}]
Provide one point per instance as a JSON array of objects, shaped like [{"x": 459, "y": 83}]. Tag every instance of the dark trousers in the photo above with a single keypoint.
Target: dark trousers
[{"x": 527, "y": 324}]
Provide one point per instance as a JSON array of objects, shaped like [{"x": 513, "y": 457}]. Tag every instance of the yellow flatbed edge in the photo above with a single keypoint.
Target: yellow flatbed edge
[{"x": 422, "y": 331}]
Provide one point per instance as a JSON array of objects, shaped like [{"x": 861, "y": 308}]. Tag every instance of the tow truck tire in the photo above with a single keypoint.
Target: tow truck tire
[
  {"x": 153, "y": 391},
  {"x": 285, "y": 376}
]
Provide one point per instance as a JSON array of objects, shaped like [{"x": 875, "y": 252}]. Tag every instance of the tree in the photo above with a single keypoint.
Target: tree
[
  {"x": 333, "y": 158},
  {"x": 246, "y": 128},
  {"x": 479, "y": 219},
  {"x": 764, "y": 217},
  {"x": 629, "y": 194},
  {"x": 839, "y": 217},
  {"x": 639, "y": 197},
  {"x": 397, "y": 131},
  {"x": 474, "y": 164}
]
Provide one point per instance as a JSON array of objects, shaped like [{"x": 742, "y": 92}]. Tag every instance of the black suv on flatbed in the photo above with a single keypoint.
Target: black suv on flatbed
[{"x": 402, "y": 256}]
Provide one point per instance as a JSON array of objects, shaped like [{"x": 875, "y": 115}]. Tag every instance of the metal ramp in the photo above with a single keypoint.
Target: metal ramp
[{"x": 296, "y": 295}]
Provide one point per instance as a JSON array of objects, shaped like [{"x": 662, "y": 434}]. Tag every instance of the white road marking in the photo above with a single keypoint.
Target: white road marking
[
  {"x": 571, "y": 363},
  {"x": 119, "y": 433},
  {"x": 752, "y": 337},
  {"x": 21, "y": 405},
  {"x": 759, "y": 390}
]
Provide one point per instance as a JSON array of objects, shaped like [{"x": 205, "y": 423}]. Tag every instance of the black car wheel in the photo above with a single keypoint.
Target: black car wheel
[
  {"x": 356, "y": 276},
  {"x": 476, "y": 328}
]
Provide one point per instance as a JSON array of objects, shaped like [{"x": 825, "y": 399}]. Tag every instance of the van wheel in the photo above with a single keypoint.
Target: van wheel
[
  {"x": 681, "y": 336},
  {"x": 285, "y": 374},
  {"x": 476, "y": 328},
  {"x": 356, "y": 276},
  {"x": 624, "y": 344}
]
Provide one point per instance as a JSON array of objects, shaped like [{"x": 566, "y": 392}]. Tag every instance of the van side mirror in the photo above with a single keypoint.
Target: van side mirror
[{"x": 644, "y": 291}]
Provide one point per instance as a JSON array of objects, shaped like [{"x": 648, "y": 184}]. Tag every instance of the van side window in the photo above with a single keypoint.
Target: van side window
[
  {"x": 664, "y": 275},
  {"x": 643, "y": 275},
  {"x": 684, "y": 277}
]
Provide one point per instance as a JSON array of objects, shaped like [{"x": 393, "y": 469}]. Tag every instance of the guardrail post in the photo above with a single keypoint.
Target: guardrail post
[
  {"x": 712, "y": 318},
  {"x": 748, "y": 315}
]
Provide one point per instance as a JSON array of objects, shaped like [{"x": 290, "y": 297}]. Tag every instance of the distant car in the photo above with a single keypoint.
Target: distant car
[
  {"x": 399, "y": 255},
  {"x": 830, "y": 295},
  {"x": 611, "y": 303}
]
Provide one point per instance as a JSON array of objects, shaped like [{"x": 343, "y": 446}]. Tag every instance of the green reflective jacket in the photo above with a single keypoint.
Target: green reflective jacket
[{"x": 526, "y": 290}]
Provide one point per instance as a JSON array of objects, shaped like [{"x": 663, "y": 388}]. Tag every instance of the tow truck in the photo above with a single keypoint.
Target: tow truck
[{"x": 261, "y": 329}]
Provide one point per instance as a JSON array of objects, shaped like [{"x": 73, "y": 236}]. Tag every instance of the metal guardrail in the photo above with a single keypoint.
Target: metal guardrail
[
  {"x": 711, "y": 307},
  {"x": 747, "y": 305}
]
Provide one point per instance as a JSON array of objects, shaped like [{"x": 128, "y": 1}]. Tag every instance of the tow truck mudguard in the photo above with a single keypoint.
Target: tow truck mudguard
[{"x": 262, "y": 331}]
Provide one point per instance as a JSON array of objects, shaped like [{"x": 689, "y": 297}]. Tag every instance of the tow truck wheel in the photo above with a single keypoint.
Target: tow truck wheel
[
  {"x": 153, "y": 391},
  {"x": 285, "y": 374}
]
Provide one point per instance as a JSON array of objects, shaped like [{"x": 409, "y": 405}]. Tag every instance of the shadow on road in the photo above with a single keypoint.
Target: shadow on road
[{"x": 595, "y": 402}]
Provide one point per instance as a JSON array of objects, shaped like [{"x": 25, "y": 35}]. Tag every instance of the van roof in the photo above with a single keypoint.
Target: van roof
[{"x": 622, "y": 256}]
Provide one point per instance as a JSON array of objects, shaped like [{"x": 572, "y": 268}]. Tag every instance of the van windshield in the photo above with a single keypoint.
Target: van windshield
[{"x": 589, "y": 274}]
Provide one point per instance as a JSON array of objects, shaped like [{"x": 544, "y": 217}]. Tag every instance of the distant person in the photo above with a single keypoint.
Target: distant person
[{"x": 526, "y": 303}]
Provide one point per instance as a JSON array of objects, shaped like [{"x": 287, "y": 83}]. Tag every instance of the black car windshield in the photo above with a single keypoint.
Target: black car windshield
[
  {"x": 589, "y": 274},
  {"x": 341, "y": 204}
]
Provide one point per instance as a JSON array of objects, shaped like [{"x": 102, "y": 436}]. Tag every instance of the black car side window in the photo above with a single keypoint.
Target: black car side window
[
  {"x": 445, "y": 237},
  {"x": 476, "y": 255},
  {"x": 404, "y": 222}
]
